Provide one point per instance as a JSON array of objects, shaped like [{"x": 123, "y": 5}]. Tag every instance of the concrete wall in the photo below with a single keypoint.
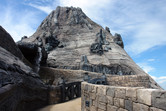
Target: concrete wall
[{"x": 113, "y": 98}]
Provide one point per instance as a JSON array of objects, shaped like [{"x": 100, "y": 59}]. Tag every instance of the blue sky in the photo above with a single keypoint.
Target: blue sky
[{"x": 141, "y": 23}]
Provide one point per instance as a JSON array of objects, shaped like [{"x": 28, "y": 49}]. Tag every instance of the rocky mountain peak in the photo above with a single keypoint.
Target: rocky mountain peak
[
  {"x": 68, "y": 35},
  {"x": 63, "y": 21},
  {"x": 65, "y": 16}
]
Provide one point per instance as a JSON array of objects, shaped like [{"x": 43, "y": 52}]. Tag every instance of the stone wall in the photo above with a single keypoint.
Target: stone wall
[
  {"x": 132, "y": 81},
  {"x": 111, "y": 98},
  {"x": 48, "y": 75},
  {"x": 54, "y": 95}
]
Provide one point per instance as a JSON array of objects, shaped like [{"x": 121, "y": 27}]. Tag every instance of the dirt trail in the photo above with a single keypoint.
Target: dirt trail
[{"x": 74, "y": 105}]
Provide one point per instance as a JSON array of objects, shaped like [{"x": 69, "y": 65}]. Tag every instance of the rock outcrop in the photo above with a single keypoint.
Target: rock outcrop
[
  {"x": 118, "y": 40},
  {"x": 8, "y": 43},
  {"x": 20, "y": 88},
  {"x": 34, "y": 54},
  {"x": 68, "y": 34}
]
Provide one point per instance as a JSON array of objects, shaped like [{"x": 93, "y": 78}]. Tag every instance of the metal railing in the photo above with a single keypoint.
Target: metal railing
[{"x": 70, "y": 91}]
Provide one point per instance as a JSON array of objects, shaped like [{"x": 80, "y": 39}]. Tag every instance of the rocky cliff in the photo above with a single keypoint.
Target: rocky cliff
[
  {"x": 8, "y": 43},
  {"x": 20, "y": 88},
  {"x": 74, "y": 41}
]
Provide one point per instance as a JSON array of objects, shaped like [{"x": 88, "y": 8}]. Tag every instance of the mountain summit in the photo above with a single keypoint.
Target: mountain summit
[{"x": 73, "y": 41}]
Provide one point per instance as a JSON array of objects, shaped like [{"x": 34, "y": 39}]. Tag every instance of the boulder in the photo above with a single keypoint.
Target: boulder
[
  {"x": 118, "y": 40},
  {"x": 107, "y": 29}
]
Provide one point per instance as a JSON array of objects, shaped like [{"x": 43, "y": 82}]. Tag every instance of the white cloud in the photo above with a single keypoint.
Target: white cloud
[
  {"x": 46, "y": 9},
  {"x": 161, "y": 80},
  {"x": 163, "y": 77},
  {"x": 147, "y": 36},
  {"x": 43, "y": 5},
  {"x": 147, "y": 68},
  {"x": 17, "y": 24},
  {"x": 151, "y": 60}
]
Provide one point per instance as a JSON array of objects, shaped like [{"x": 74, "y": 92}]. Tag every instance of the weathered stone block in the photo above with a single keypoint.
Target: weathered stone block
[
  {"x": 86, "y": 87},
  {"x": 89, "y": 87},
  {"x": 121, "y": 103},
  {"x": 93, "y": 108},
  {"x": 94, "y": 88},
  {"x": 110, "y": 100},
  {"x": 101, "y": 110},
  {"x": 95, "y": 102},
  {"x": 111, "y": 108},
  {"x": 82, "y": 103},
  {"x": 110, "y": 91},
  {"x": 120, "y": 92},
  {"x": 102, "y": 98},
  {"x": 101, "y": 90},
  {"x": 129, "y": 105},
  {"x": 131, "y": 93},
  {"x": 116, "y": 102},
  {"x": 93, "y": 95},
  {"x": 155, "y": 109},
  {"x": 86, "y": 94},
  {"x": 102, "y": 105},
  {"x": 159, "y": 99},
  {"x": 82, "y": 85},
  {"x": 144, "y": 96},
  {"x": 121, "y": 109},
  {"x": 90, "y": 102},
  {"x": 87, "y": 109},
  {"x": 140, "y": 107}
]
